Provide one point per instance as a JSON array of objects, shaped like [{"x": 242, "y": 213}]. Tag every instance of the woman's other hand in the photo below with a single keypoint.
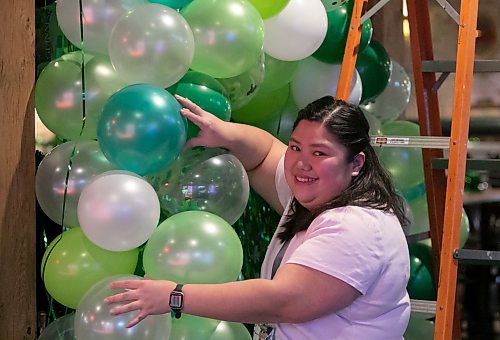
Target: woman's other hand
[{"x": 149, "y": 297}]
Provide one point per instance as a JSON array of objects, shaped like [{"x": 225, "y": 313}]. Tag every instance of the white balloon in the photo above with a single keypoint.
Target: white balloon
[
  {"x": 99, "y": 18},
  {"x": 392, "y": 102},
  {"x": 118, "y": 211},
  {"x": 152, "y": 44},
  {"x": 315, "y": 79},
  {"x": 297, "y": 31}
]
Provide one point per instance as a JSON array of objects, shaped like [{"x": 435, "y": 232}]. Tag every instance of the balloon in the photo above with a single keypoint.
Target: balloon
[
  {"x": 192, "y": 327},
  {"x": 281, "y": 125},
  {"x": 420, "y": 284},
  {"x": 228, "y": 36},
  {"x": 315, "y": 80},
  {"x": 194, "y": 247},
  {"x": 59, "y": 99},
  {"x": 230, "y": 331},
  {"x": 94, "y": 321},
  {"x": 374, "y": 122},
  {"x": 118, "y": 211},
  {"x": 71, "y": 264},
  {"x": 268, "y": 8},
  {"x": 263, "y": 107},
  {"x": 204, "y": 179},
  {"x": 77, "y": 57},
  {"x": 392, "y": 102},
  {"x": 297, "y": 31},
  {"x": 99, "y": 18},
  {"x": 208, "y": 100},
  {"x": 198, "y": 78},
  {"x": 419, "y": 329},
  {"x": 54, "y": 190},
  {"x": 278, "y": 73},
  {"x": 152, "y": 44},
  {"x": 374, "y": 66},
  {"x": 60, "y": 329},
  {"x": 333, "y": 5},
  {"x": 175, "y": 4},
  {"x": 333, "y": 46},
  {"x": 242, "y": 88},
  {"x": 405, "y": 164},
  {"x": 141, "y": 129}
]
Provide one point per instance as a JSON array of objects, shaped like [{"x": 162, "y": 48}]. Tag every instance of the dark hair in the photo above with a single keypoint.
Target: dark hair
[{"x": 372, "y": 187}]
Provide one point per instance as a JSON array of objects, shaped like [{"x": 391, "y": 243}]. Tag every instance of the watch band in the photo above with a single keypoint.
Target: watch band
[{"x": 176, "y": 301}]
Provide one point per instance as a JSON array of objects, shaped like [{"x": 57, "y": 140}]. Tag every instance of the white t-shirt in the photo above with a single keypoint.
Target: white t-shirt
[{"x": 363, "y": 247}]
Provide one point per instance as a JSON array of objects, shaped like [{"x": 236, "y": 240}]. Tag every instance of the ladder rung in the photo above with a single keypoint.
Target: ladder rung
[
  {"x": 474, "y": 256},
  {"x": 424, "y": 307},
  {"x": 418, "y": 237},
  {"x": 449, "y": 66},
  {"x": 471, "y": 164},
  {"x": 429, "y": 142}
]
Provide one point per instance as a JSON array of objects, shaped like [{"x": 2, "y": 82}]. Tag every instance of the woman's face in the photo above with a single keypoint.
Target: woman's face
[{"x": 316, "y": 166}]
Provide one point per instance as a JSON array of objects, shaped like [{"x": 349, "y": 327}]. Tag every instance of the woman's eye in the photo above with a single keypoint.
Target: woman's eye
[
  {"x": 294, "y": 147},
  {"x": 318, "y": 153}
]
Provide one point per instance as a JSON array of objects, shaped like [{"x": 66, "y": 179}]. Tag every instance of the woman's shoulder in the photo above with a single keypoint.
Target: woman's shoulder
[{"x": 364, "y": 215}]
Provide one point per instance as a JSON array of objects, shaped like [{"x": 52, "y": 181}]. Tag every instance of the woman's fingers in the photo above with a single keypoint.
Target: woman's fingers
[
  {"x": 127, "y": 284},
  {"x": 129, "y": 307},
  {"x": 196, "y": 119},
  {"x": 126, "y": 296},
  {"x": 136, "y": 320},
  {"x": 189, "y": 104}
]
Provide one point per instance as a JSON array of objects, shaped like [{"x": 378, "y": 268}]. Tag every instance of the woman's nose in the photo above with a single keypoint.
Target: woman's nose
[{"x": 303, "y": 164}]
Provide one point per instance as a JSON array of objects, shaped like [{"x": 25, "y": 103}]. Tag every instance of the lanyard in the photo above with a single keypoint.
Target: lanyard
[{"x": 279, "y": 258}]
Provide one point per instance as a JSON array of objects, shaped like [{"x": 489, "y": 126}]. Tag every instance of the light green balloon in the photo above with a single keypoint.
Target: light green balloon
[
  {"x": 192, "y": 327},
  {"x": 60, "y": 329},
  {"x": 230, "y": 331},
  {"x": 278, "y": 73},
  {"x": 269, "y": 8},
  {"x": 228, "y": 35},
  {"x": 242, "y": 88},
  {"x": 59, "y": 99},
  {"x": 194, "y": 247},
  {"x": 72, "y": 264},
  {"x": 281, "y": 125}
]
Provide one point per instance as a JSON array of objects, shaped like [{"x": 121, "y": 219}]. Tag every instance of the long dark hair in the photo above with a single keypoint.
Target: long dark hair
[{"x": 372, "y": 187}]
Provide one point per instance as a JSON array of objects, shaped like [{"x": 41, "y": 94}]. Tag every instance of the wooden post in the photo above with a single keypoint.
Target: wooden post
[{"x": 17, "y": 171}]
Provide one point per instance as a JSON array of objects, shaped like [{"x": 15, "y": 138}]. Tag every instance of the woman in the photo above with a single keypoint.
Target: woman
[{"x": 337, "y": 265}]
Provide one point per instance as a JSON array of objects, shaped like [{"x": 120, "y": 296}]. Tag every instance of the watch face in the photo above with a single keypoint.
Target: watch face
[{"x": 176, "y": 300}]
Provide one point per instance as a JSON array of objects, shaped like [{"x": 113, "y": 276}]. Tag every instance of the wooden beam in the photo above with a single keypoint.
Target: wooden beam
[{"x": 17, "y": 174}]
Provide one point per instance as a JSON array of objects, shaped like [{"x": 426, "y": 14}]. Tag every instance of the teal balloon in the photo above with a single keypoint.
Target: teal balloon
[
  {"x": 339, "y": 19},
  {"x": 175, "y": 4},
  {"x": 230, "y": 331},
  {"x": 141, "y": 129},
  {"x": 374, "y": 66},
  {"x": 194, "y": 247},
  {"x": 192, "y": 327},
  {"x": 208, "y": 99},
  {"x": 419, "y": 329},
  {"x": 420, "y": 284},
  {"x": 199, "y": 78},
  {"x": 206, "y": 179}
]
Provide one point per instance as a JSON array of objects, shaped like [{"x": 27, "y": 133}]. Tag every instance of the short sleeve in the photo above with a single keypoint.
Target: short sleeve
[
  {"x": 284, "y": 192},
  {"x": 344, "y": 243}
]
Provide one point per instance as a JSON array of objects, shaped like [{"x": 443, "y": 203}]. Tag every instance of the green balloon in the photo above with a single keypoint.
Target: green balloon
[
  {"x": 374, "y": 66},
  {"x": 198, "y": 78},
  {"x": 374, "y": 122},
  {"x": 268, "y": 8},
  {"x": 230, "y": 331},
  {"x": 175, "y": 4},
  {"x": 208, "y": 99},
  {"x": 194, "y": 247},
  {"x": 333, "y": 5},
  {"x": 263, "y": 107},
  {"x": 72, "y": 264},
  {"x": 192, "y": 327},
  {"x": 244, "y": 87},
  {"x": 228, "y": 34},
  {"x": 420, "y": 284},
  {"x": 339, "y": 19},
  {"x": 278, "y": 73},
  {"x": 419, "y": 329}
]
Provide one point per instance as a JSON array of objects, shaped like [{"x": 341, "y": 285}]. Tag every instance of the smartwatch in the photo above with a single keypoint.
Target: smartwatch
[{"x": 176, "y": 301}]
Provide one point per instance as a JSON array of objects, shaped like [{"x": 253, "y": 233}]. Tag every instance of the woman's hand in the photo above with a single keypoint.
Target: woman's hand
[
  {"x": 214, "y": 132},
  {"x": 149, "y": 297}
]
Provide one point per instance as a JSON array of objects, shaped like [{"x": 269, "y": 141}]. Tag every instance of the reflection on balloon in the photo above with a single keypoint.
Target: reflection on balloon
[
  {"x": 118, "y": 211},
  {"x": 60, "y": 329},
  {"x": 243, "y": 87},
  {"x": 194, "y": 247},
  {"x": 315, "y": 80},
  {"x": 204, "y": 179},
  {"x": 152, "y": 44},
  {"x": 99, "y": 18},
  {"x": 228, "y": 36},
  {"x": 94, "y": 321},
  {"x": 392, "y": 102},
  {"x": 141, "y": 129},
  {"x": 230, "y": 331},
  {"x": 53, "y": 189},
  {"x": 297, "y": 31},
  {"x": 71, "y": 264}
]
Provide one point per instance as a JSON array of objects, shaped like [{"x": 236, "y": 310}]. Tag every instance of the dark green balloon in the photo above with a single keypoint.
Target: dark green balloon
[
  {"x": 421, "y": 285},
  {"x": 339, "y": 18},
  {"x": 208, "y": 99},
  {"x": 199, "y": 78},
  {"x": 374, "y": 66}
]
